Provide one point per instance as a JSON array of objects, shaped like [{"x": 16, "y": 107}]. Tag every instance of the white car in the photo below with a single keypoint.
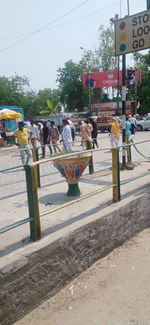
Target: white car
[{"x": 144, "y": 124}]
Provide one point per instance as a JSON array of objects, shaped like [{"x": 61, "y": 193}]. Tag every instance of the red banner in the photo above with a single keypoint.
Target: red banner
[{"x": 110, "y": 78}]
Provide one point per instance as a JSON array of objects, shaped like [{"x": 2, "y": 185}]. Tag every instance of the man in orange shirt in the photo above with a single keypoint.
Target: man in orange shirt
[{"x": 23, "y": 134}]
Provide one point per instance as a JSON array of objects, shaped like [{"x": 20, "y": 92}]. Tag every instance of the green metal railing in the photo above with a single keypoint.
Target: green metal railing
[{"x": 33, "y": 182}]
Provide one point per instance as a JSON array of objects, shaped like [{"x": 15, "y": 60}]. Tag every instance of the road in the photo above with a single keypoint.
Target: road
[{"x": 114, "y": 291}]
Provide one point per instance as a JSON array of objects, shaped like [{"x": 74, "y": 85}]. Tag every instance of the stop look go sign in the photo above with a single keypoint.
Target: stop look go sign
[{"x": 132, "y": 33}]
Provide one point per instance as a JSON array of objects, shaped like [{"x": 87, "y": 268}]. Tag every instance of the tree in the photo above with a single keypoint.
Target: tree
[
  {"x": 42, "y": 96},
  {"x": 105, "y": 55},
  {"x": 12, "y": 90},
  {"x": 15, "y": 91},
  {"x": 143, "y": 62},
  {"x": 70, "y": 85},
  {"x": 52, "y": 109}
]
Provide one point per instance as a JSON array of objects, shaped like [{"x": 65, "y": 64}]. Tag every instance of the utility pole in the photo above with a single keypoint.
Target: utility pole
[
  {"x": 123, "y": 109},
  {"x": 89, "y": 88},
  {"x": 124, "y": 102},
  {"x": 148, "y": 4},
  {"x": 128, "y": 6},
  {"x": 112, "y": 21}
]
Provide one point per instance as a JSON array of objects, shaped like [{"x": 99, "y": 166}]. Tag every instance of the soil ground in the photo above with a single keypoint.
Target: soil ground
[{"x": 114, "y": 291}]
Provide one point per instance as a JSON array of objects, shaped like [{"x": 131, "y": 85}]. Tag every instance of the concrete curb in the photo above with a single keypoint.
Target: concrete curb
[{"x": 30, "y": 280}]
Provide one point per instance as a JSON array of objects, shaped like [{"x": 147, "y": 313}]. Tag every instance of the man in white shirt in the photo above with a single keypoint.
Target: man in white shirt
[
  {"x": 133, "y": 122},
  {"x": 35, "y": 133},
  {"x": 67, "y": 136},
  {"x": 73, "y": 129}
]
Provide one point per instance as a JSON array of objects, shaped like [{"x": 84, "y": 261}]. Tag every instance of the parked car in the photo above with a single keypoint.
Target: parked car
[{"x": 143, "y": 124}]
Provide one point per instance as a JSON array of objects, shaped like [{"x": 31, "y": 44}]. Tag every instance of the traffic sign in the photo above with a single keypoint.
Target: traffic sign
[{"x": 132, "y": 33}]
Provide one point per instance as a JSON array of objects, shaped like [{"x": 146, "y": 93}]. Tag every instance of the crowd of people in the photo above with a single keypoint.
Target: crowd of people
[{"x": 31, "y": 134}]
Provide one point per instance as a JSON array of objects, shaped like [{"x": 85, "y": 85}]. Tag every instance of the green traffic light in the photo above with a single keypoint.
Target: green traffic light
[{"x": 122, "y": 47}]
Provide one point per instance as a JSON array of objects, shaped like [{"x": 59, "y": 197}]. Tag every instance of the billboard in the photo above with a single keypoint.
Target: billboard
[
  {"x": 110, "y": 78},
  {"x": 132, "y": 33}
]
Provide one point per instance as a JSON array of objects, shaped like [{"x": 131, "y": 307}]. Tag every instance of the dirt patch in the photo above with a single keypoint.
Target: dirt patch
[{"x": 115, "y": 290}]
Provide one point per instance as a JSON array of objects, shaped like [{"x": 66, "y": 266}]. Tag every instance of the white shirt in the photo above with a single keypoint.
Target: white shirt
[
  {"x": 34, "y": 129},
  {"x": 71, "y": 125},
  {"x": 133, "y": 120},
  {"x": 67, "y": 138}
]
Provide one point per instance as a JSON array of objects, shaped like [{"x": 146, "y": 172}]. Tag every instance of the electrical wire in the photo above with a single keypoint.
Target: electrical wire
[
  {"x": 44, "y": 27},
  {"x": 56, "y": 26},
  {"x": 84, "y": 17}
]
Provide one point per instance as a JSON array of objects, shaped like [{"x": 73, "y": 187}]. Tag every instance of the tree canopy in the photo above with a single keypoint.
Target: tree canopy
[
  {"x": 142, "y": 61},
  {"x": 15, "y": 91}
]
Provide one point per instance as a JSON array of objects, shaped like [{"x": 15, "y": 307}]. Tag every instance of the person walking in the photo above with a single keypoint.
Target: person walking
[
  {"x": 94, "y": 132},
  {"x": 45, "y": 140},
  {"x": 66, "y": 136},
  {"x": 82, "y": 131},
  {"x": 73, "y": 129},
  {"x": 86, "y": 134},
  {"x": 40, "y": 132},
  {"x": 54, "y": 136},
  {"x": 34, "y": 129},
  {"x": 23, "y": 135},
  {"x": 114, "y": 134},
  {"x": 133, "y": 122},
  {"x": 127, "y": 129}
]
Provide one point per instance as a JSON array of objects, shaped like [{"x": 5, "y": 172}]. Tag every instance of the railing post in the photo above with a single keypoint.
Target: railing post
[
  {"x": 35, "y": 155},
  {"x": 91, "y": 165},
  {"x": 33, "y": 206},
  {"x": 116, "y": 174},
  {"x": 129, "y": 159}
]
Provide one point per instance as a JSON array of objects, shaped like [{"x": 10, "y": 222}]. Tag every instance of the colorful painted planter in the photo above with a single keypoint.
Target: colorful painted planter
[{"x": 72, "y": 168}]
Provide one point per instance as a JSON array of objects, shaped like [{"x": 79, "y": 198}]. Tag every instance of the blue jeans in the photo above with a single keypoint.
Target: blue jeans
[{"x": 25, "y": 153}]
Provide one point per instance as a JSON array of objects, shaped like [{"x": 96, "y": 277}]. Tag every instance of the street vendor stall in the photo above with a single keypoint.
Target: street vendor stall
[{"x": 5, "y": 116}]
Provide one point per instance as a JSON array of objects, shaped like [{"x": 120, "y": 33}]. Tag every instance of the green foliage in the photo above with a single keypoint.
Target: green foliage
[
  {"x": 15, "y": 91},
  {"x": 70, "y": 85},
  {"x": 51, "y": 108},
  {"x": 143, "y": 62},
  {"x": 12, "y": 89},
  {"x": 105, "y": 53},
  {"x": 42, "y": 96}
]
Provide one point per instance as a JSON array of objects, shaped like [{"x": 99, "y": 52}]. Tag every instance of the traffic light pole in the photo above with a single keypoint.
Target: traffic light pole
[
  {"x": 123, "y": 109},
  {"x": 89, "y": 90}
]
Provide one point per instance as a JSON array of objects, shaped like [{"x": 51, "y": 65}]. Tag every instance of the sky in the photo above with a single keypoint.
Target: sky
[{"x": 39, "y": 36}]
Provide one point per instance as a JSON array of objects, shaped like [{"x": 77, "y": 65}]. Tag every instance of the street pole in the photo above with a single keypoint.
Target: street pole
[
  {"x": 148, "y": 4},
  {"x": 90, "y": 102},
  {"x": 128, "y": 6},
  {"x": 136, "y": 98},
  {"x": 123, "y": 109},
  {"x": 124, "y": 103},
  {"x": 89, "y": 89},
  {"x": 118, "y": 112}
]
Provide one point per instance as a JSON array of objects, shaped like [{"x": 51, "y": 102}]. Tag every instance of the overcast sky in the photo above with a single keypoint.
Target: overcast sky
[{"x": 70, "y": 24}]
